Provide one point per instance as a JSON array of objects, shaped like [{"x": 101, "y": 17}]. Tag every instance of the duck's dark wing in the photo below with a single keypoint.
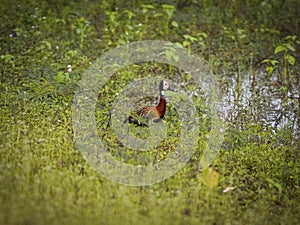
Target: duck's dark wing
[{"x": 146, "y": 114}]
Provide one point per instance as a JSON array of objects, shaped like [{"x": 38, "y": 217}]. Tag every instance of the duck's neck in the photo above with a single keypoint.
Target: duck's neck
[{"x": 161, "y": 106}]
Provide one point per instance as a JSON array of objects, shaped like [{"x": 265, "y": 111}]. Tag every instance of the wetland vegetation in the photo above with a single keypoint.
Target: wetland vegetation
[{"x": 251, "y": 46}]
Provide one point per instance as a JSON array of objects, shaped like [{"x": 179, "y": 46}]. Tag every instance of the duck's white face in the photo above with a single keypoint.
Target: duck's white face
[{"x": 165, "y": 85}]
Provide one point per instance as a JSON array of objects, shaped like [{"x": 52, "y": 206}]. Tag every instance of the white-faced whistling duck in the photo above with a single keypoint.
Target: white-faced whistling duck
[{"x": 154, "y": 113}]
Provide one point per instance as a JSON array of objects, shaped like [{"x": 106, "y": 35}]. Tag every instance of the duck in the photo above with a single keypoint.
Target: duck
[{"x": 152, "y": 113}]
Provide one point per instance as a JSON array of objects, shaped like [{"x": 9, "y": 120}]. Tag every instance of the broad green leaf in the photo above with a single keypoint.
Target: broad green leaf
[{"x": 280, "y": 48}]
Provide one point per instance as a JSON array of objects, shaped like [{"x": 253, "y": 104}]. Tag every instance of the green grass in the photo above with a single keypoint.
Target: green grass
[{"x": 45, "y": 180}]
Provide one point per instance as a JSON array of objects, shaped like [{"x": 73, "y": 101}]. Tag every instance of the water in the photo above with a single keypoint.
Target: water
[{"x": 257, "y": 98}]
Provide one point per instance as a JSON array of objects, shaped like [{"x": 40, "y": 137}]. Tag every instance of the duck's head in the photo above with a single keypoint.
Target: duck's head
[{"x": 164, "y": 86}]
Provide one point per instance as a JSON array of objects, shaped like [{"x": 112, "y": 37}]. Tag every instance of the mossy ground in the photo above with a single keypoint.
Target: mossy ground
[{"x": 46, "y": 47}]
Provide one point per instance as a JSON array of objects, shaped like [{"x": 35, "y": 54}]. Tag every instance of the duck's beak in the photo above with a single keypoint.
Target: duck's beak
[{"x": 171, "y": 89}]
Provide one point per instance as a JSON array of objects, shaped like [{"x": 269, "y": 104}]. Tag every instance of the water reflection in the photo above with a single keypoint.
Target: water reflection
[{"x": 255, "y": 97}]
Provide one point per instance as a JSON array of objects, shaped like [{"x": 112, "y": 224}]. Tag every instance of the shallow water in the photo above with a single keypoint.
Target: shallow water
[{"x": 257, "y": 98}]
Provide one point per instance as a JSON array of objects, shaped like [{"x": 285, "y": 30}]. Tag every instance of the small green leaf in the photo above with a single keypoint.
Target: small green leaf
[
  {"x": 157, "y": 15},
  {"x": 165, "y": 6},
  {"x": 169, "y": 54},
  {"x": 130, "y": 14},
  {"x": 266, "y": 61},
  {"x": 179, "y": 45},
  {"x": 174, "y": 24},
  {"x": 290, "y": 59},
  {"x": 60, "y": 77},
  {"x": 169, "y": 9},
  {"x": 274, "y": 62},
  {"x": 176, "y": 58},
  {"x": 186, "y": 43},
  {"x": 283, "y": 89},
  {"x": 269, "y": 70},
  {"x": 275, "y": 184},
  {"x": 148, "y": 6},
  {"x": 48, "y": 44},
  {"x": 78, "y": 31},
  {"x": 280, "y": 48},
  {"x": 190, "y": 38},
  {"x": 7, "y": 57},
  {"x": 290, "y": 38},
  {"x": 290, "y": 47}
]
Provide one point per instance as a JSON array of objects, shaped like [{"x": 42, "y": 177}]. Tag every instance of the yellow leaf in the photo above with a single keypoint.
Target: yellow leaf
[{"x": 210, "y": 178}]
